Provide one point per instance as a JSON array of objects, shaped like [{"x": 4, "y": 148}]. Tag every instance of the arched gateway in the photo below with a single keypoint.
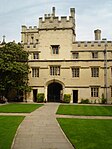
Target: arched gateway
[{"x": 54, "y": 92}]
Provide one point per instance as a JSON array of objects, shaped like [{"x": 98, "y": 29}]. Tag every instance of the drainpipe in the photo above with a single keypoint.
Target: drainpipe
[{"x": 105, "y": 73}]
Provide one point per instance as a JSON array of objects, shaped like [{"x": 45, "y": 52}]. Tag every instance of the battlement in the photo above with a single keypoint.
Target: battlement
[
  {"x": 29, "y": 29},
  {"x": 50, "y": 21},
  {"x": 29, "y": 35},
  {"x": 100, "y": 44}
]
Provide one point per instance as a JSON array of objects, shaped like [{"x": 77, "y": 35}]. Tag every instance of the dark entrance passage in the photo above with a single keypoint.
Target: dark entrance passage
[
  {"x": 54, "y": 93},
  {"x": 34, "y": 95},
  {"x": 75, "y": 96}
]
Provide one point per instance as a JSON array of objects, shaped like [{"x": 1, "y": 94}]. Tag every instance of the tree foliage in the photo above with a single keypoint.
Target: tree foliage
[{"x": 13, "y": 69}]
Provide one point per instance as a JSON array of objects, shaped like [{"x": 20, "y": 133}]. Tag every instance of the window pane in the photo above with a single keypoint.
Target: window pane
[
  {"x": 35, "y": 72},
  {"x": 95, "y": 72},
  {"x": 94, "y": 54},
  {"x": 55, "y": 70},
  {"x": 55, "y": 49},
  {"x": 35, "y": 55},
  {"x": 94, "y": 92},
  {"x": 75, "y": 72},
  {"x": 75, "y": 55}
]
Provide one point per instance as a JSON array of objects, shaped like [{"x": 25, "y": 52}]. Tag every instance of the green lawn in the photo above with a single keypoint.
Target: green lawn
[
  {"x": 19, "y": 108},
  {"x": 85, "y": 110},
  {"x": 88, "y": 133},
  {"x": 8, "y": 127}
]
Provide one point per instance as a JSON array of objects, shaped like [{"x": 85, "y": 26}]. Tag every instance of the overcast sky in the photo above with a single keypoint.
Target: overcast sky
[{"x": 90, "y": 15}]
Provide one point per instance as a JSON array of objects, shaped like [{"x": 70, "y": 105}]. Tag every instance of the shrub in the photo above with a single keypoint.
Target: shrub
[
  {"x": 99, "y": 100},
  {"x": 3, "y": 99},
  {"x": 95, "y": 101},
  {"x": 103, "y": 100},
  {"x": 67, "y": 98},
  {"x": 40, "y": 97},
  {"x": 85, "y": 101}
]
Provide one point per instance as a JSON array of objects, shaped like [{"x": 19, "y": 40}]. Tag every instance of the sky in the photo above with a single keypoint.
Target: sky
[{"x": 90, "y": 15}]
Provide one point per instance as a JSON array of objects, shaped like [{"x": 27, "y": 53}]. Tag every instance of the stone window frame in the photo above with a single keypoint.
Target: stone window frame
[
  {"x": 55, "y": 70},
  {"x": 95, "y": 72},
  {"x": 94, "y": 54},
  {"x": 35, "y": 72},
  {"x": 75, "y": 55},
  {"x": 55, "y": 49},
  {"x": 35, "y": 55},
  {"x": 94, "y": 91},
  {"x": 75, "y": 72}
]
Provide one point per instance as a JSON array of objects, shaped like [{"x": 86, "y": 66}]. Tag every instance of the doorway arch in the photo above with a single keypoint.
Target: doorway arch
[{"x": 54, "y": 92}]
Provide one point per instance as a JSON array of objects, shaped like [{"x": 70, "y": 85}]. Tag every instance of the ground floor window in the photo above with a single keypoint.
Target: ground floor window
[{"x": 94, "y": 92}]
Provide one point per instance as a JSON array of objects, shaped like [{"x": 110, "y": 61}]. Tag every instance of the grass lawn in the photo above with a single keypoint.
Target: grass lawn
[
  {"x": 85, "y": 110},
  {"x": 19, "y": 108},
  {"x": 8, "y": 127},
  {"x": 88, "y": 134}
]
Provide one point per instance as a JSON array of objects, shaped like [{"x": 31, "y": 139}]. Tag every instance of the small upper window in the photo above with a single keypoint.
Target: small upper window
[
  {"x": 35, "y": 55},
  {"x": 75, "y": 55},
  {"x": 55, "y": 49},
  {"x": 94, "y": 54}
]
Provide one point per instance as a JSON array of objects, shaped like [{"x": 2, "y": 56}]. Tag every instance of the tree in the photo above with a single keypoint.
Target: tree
[{"x": 14, "y": 69}]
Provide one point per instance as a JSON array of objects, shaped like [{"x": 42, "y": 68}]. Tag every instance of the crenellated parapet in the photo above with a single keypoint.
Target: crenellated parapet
[
  {"x": 50, "y": 21},
  {"x": 29, "y": 29},
  {"x": 93, "y": 44},
  {"x": 29, "y": 35}
]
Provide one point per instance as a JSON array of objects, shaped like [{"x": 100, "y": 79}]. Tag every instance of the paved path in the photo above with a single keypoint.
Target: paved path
[
  {"x": 40, "y": 130},
  {"x": 15, "y": 114},
  {"x": 84, "y": 117}
]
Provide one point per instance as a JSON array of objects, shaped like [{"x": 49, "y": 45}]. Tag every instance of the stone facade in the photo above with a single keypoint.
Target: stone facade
[{"x": 61, "y": 65}]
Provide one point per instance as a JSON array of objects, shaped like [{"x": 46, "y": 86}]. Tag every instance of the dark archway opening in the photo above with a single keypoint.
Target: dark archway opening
[{"x": 54, "y": 92}]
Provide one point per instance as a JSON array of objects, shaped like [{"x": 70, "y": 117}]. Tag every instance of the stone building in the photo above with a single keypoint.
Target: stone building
[{"x": 59, "y": 64}]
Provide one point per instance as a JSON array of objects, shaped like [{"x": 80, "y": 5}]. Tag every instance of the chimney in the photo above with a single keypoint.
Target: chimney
[
  {"x": 97, "y": 34},
  {"x": 72, "y": 11},
  {"x": 53, "y": 11}
]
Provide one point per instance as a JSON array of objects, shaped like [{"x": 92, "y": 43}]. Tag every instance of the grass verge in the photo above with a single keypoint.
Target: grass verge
[
  {"x": 85, "y": 110},
  {"x": 8, "y": 127},
  {"x": 88, "y": 134},
  {"x": 19, "y": 108}
]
